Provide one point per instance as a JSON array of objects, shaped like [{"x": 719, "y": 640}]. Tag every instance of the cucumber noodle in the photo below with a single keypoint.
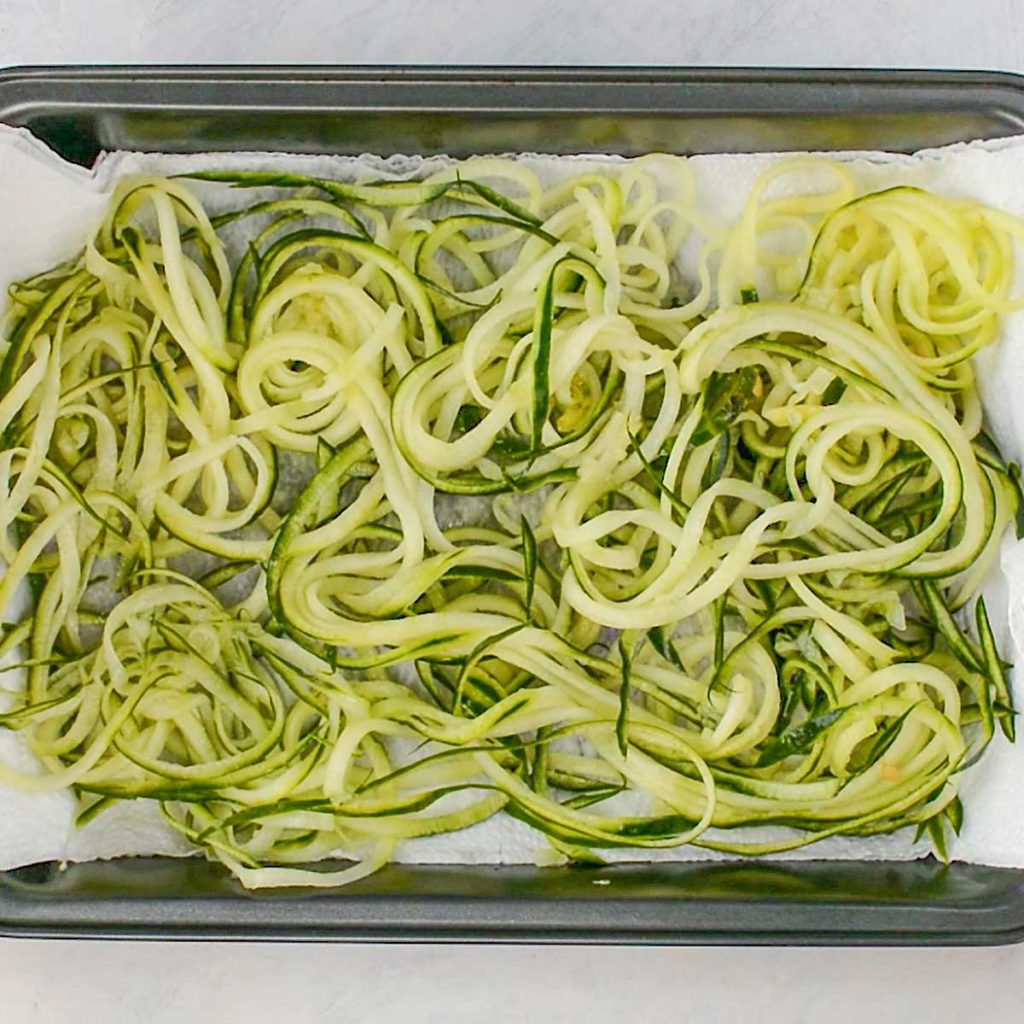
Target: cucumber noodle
[{"x": 634, "y": 559}]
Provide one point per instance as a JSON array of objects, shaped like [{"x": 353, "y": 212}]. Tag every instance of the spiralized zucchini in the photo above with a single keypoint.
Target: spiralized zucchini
[{"x": 367, "y": 511}]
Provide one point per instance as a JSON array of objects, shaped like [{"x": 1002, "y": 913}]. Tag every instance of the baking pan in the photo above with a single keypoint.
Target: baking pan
[{"x": 82, "y": 111}]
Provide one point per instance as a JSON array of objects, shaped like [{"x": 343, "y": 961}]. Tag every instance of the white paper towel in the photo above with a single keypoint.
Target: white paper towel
[{"x": 48, "y": 207}]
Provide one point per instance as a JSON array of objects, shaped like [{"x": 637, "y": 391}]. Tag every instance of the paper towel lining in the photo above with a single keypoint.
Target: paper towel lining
[{"x": 47, "y": 209}]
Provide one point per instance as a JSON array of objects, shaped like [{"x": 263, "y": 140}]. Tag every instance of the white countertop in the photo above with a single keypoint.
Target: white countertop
[{"x": 159, "y": 983}]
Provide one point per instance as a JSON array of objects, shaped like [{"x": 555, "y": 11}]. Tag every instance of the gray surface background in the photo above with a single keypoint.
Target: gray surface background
[
  {"x": 158, "y": 983},
  {"x": 911, "y": 33}
]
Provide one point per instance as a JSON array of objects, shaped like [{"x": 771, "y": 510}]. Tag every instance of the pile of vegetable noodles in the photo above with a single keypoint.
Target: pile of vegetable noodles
[{"x": 365, "y": 512}]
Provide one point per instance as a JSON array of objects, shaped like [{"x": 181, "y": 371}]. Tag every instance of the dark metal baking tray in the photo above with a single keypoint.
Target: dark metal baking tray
[{"x": 82, "y": 111}]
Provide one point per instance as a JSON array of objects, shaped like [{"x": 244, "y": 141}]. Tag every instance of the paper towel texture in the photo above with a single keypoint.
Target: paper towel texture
[{"x": 48, "y": 208}]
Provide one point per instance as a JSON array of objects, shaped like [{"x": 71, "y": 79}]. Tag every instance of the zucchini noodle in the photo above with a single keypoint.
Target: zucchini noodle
[{"x": 364, "y": 512}]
